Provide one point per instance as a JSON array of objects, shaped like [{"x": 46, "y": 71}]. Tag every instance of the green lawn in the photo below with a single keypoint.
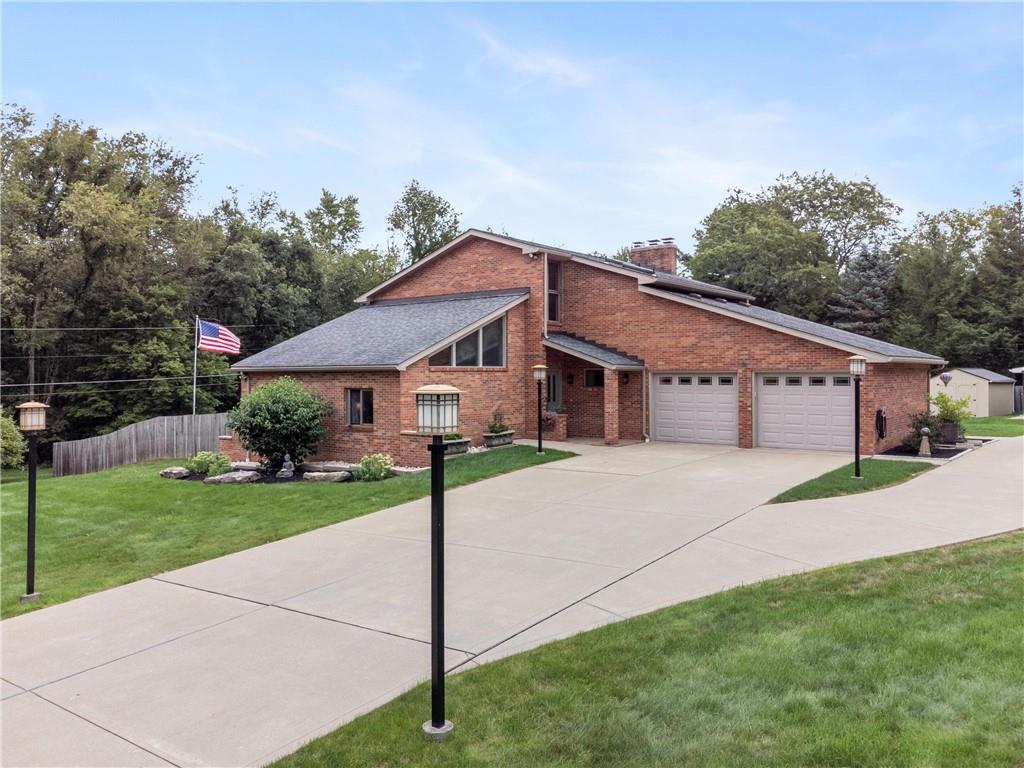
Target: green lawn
[
  {"x": 994, "y": 426},
  {"x": 108, "y": 528},
  {"x": 905, "y": 661},
  {"x": 875, "y": 474}
]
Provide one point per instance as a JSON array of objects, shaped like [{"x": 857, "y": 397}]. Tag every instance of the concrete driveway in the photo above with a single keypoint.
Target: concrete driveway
[{"x": 242, "y": 659}]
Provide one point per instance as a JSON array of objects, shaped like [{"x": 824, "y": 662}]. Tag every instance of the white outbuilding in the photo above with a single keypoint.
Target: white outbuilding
[{"x": 990, "y": 393}]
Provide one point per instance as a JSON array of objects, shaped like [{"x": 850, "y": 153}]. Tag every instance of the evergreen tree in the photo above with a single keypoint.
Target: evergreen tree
[{"x": 864, "y": 302}]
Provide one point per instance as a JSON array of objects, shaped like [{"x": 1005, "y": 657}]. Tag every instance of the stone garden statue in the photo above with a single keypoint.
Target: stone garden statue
[
  {"x": 287, "y": 468},
  {"x": 926, "y": 448}
]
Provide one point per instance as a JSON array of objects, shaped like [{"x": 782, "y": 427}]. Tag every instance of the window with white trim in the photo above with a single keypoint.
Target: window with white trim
[
  {"x": 684, "y": 380},
  {"x": 725, "y": 381},
  {"x": 816, "y": 381},
  {"x": 554, "y": 297},
  {"x": 360, "y": 406},
  {"x": 770, "y": 381},
  {"x": 794, "y": 381},
  {"x": 483, "y": 348},
  {"x": 840, "y": 381},
  {"x": 704, "y": 381}
]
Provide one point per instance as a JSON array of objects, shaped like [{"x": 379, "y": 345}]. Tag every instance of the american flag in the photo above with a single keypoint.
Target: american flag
[{"x": 217, "y": 338}]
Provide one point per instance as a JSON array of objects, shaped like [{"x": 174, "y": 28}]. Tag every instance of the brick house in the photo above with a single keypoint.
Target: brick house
[{"x": 634, "y": 352}]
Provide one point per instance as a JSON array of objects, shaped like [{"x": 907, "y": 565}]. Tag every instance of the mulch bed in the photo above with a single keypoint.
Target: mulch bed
[
  {"x": 265, "y": 478},
  {"x": 937, "y": 453}
]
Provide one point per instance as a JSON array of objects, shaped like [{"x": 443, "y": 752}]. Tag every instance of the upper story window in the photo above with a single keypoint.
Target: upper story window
[
  {"x": 483, "y": 348},
  {"x": 554, "y": 291}
]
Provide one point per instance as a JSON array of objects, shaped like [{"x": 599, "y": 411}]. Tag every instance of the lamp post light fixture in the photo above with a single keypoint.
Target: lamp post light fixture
[
  {"x": 540, "y": 373},
  {"x": 32, "y": 420},
  {"x": 858, "y": 367},
  {"x": 437, "y": 414}
]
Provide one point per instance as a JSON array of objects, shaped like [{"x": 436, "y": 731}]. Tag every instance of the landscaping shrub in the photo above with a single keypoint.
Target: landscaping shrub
[
  {"x": 208, "y": 463},
  {"x": 281, "y": 417},
  {"x": 497, "y": 423},
  {"x": 12, "y": 444},
  {"x": 375, "y": 466},
  {"x": 917, "y": 422},
  {"x": 950, "y": 410},
  {"x": 453, "y": 436}
]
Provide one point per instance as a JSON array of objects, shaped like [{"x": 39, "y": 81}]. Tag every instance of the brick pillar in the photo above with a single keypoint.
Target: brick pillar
[
  {"x": 611, "y": 407},
  {"x": 745, "y": 397}
]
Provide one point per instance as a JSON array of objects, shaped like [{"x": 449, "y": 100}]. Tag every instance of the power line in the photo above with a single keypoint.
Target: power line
[
  {"x": 111, "y": 354},
  {"x": 120, "y": 381},
  {"x": 100, "y": 391},
  {"x": 134, "y": 328}
]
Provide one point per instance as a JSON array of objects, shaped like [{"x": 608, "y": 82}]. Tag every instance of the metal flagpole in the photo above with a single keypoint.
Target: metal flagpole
[{"x": 195, "y": 364}]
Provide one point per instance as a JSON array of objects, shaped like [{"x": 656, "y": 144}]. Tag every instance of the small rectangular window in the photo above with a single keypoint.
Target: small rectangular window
[
  {"x": 442, "y": 358},
  {"x": 770, "y": 381},
  {"x": 704, "y": 381},
  {"x": 686, "y": 380},
  {"x": 840, "y": 381},
  {"x": 816, "y": 381},
  {"x": 794, "y": 381},
  {"x": 725, "y": 381},
  {"x": 665, "y": 380},
  {"x": 554, "y": 291},
  {"x": 360, "y": 406},
  {"x": 594, "y": 377}
]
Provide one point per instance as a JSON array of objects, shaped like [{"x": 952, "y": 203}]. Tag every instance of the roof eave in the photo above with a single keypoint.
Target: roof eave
[
  {"x": 310, "y": 368},
  {"x": 872, "y": 357},
  {"x": 589, "y": 358}
]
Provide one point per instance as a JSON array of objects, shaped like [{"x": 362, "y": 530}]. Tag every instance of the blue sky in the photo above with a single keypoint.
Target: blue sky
[{"x": 582, "y": 125}]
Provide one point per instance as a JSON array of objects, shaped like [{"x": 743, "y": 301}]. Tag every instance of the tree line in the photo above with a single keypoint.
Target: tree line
[
  {"x": 104, "y": 268},
  {"x": 834, "y": 251},
  {"x": 96, "y": 233}
]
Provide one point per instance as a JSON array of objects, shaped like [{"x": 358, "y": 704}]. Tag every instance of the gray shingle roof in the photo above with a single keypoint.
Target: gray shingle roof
[
  {"x": 827, "y": 332},
  {"x": 992, "y": 376},
  {"x": 606, "y": 355},
  {"x": 384, "y": 334}
]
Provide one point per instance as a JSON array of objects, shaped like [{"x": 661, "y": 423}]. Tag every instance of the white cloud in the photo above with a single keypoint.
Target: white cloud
[
  {"x": 533, "y": 62},
  {"x": 322, "y": 139}
]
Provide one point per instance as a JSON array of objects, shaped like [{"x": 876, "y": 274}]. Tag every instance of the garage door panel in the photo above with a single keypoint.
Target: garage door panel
[
  {"x": 695, "y": 412},
  {"x": 805, "y": 415}
]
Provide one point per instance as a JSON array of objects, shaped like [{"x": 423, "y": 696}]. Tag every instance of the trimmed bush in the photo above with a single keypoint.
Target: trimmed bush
[
  {"x": 12, "y": 444},
  {"x": 281, "y": 417},
  {"x": 917, "y": 422},
  {"x": 952, "y": 411},
  {"x": 375, "y": 466},
  {"x": 208, "y": 463}
]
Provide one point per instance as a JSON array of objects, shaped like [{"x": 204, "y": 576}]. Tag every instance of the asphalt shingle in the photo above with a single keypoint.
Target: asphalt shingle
[
  {"x": 383, "y": 334},
  {"x": 606, "y": 355},
  {"x": 992, "y": 376}
]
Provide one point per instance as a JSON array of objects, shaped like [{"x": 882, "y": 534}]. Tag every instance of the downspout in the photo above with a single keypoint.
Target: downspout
[{"x": 643, "y": 404}]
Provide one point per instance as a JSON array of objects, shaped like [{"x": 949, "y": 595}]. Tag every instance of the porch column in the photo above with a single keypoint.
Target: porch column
[{"x": 611, "y": 407}]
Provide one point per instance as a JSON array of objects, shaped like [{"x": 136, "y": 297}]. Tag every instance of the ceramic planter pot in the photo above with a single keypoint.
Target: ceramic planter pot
[
  {"x": 454, "y": 447},
  {"x": 494, "y": 439},
  {"x": 949, "y": 433}
]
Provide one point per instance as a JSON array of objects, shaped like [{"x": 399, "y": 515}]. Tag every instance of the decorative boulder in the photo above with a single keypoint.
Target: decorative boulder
[
  {"x": 175, "y": 473},
  {"x": 327, "y": 477},
  {"x": 248, "y": 466},
  {"x": 327, "y": 466},
  {"x": 238, "y": 476}
]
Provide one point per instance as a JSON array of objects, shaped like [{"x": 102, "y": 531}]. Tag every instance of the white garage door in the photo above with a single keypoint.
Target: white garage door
[
  {"x": 805, "y": 410},
  {"x": 695, "y": 407}
]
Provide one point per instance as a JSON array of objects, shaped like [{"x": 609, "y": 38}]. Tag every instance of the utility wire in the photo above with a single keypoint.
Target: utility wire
[
  {"x": 111, "y": 354},
  {"x": 120, "y": 381},
  {"x": 133, "y": 328},
  {"x": 98, "y": 391}
]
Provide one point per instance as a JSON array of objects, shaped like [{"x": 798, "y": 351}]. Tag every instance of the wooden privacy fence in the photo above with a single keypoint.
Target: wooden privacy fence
[{"x": 163, "y": 437}]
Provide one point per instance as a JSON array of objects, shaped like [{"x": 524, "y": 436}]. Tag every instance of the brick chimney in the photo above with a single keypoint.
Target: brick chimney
[{"x": 655, "y": 254}]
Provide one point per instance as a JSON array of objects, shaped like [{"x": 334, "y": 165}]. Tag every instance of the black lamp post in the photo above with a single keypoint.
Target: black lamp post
[
  {"x": 32, "y": 420},
  {"x": 437, "y": 414},
  {"x": 540, "y": 372},
  {"x": 858, "y": 366}
]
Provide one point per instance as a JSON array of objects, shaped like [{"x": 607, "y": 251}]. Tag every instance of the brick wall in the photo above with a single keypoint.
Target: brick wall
[
  {"x": 480, "y": 265},
  {"x": 607, "y": 308},
  {"x": 344, "y": 442}
]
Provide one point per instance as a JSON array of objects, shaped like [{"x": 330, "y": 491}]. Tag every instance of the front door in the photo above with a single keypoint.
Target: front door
[{"x": 554, "y": 390}]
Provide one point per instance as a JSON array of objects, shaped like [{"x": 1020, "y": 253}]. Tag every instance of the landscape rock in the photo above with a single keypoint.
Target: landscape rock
[
  {"x": 327, "y": 466},
  {"x": 175, "y": 473},
  {"x": 238, "y": 476},
  {"x": 248, "y": 466},
  {"x": 327, "y": 477},
  {"x": 399, "y": 471}
]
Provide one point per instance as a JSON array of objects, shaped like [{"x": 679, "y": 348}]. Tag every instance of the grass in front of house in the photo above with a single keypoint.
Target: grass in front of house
[
  {"x": 906, "y": 661},
  {"x": 994, "y": 426},
  {"x": 21, "y": 475},
  {"x": 875, "y": 474},
  {"x": 108, "y": 528}
]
